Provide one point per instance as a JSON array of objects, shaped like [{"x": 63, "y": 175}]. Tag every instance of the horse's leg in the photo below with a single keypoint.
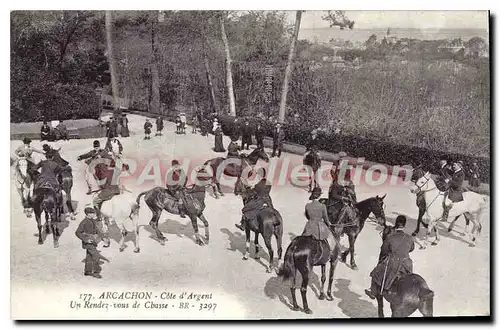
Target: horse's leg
[
  {"x": 436, "y": 232},
  {"x": 247, "y": 243},
  {"x": 214, "y": 187},
  {"x": 217, "y": 184},
  {"x": 304, "y": 271},
  {"x": 380, "y": 306},
  {"x": 267, "y": 241},
  {"x": 38, "y": 217},
  {"x": 293, "y": 281},
  {"x": 278, "y": 233},
  {"x": 475, "y": 229},
  {"x": 352, "y": 240},
  {"x": 55, "y": 228},
  {"x": 323, "y": 279},
  {"x": 48, "y": 228},
  {"x": 207, "y": 230},
  {"x": 427, "y": 307},
  {"x": 421, "y": 211},
  {"x": 452, "y": 224},
  {"x": 154, "y": 223},
  {"x": 137, "y": 248},
  {"x": 124, "y": 233},
  {"x": 467, "y": 217},
  {"x": 194, "y": 223},
  {"x": 333, "y": 264},
  {"x": 256, "y": 244},
  {"x": 405, "y": 309},
  {"x": 69, "y": 204}
]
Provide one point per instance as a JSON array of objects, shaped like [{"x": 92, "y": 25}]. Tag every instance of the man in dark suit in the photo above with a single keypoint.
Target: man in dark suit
[
  {"x": 89, "y": 233},
  {"x": 455, "y": 190},
  {"x": 259, "y": 136},
  {"x": 394, "y": 259},
  {"x": 246, "y": 135},
  {"x": 278, "y": 139}
]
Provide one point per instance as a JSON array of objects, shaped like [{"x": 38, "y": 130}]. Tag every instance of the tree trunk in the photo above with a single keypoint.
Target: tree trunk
[
  {"x": 111, "y": 59},
  {"x": 288, "y": 71},
  {"x": 155, "y": 77},
  {"x": 229, "y": 78}
]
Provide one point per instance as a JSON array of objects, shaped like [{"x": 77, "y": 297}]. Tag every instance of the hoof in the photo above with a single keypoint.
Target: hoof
[
  {"x": 321, "y": 296},
  {"x": 245, "y": 258},
  {"x": 472, "y": 245},
  {"x": 257, "y": 258},
  {"x": 107, "y": 245},
  {"x": 73, "y": 217},
  {"x": 308, "y": 311},
  {"x": 414, "y": 233},
  {"x": 121, "y": 249},
  {"x": 40, "y": 242},
  {"x": 474, "y": 239},
  {"x": 422, "y": 248},
  {"x": 56, "y": 245},
  {"x": 463, "y": 234},
  {"x": 221, "y": 194},
  {"x": 354, "y": 267},
  {"x": 217, "y": 197},
  {"x": 162, "y": 242},
  {"x": 449, "y": 229},
  {"x": 200, "y": 242},
  {"x": 434, "y": 243},
  {"x": 268, "y": 270},
  {"x": 329, "y": 296},
  {"x": 295, "y": 308},
  {"x": 137, "y": 250},
  {"x": 207, "y": 239}
]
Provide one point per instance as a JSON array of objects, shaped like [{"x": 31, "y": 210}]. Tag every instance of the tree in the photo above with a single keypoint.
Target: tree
[
  {"x": 338, "y": 18},
  {"x": 229, "y": 74},
  {"x": 288, "y": 70},
  {"x": 111, "y": 59},
  {"x": 155, "y": 75},
  {"x": 476, "y": 46},
  {"x": 372, "y": 41}
]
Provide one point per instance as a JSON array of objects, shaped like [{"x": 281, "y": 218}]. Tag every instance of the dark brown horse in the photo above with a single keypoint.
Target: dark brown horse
[
  {"x": 234, "y": 167},
  {"x": 159, "y": 199},
  {"x": 407, "y": 294},
  {"x": 267, "y": 222},
  {"x": 313, "y": 163},
  {"x": 303, "y": 253},
  {"x": 47, "y": 200},
  {"x": 351, "y": 223}
]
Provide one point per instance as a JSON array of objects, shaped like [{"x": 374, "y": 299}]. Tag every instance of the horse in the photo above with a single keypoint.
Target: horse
[
  {"x": 303, "y": 253},
  {"x": 407, "y": 294},
  {"x": 472, "y": 204},
  {"x": 67, "y": 185},
  {"x": 24, "y": 181},
  {"x": 46, "y": 200},
  {"x": 352, "y": 229},
  {"x": 267, "y": 222},
  {"x": 158, "y": 199},
  {"x": 313, "y": 163},
  {"x": 234, "y": 170},
  {"x": 421, "y": 210}
]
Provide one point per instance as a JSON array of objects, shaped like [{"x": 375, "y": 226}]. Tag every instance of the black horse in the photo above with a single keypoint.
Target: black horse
[
  {"x": 407, "y": 294},
  {"x": 267, "y": 222},
  {"x": 159, "y": 199},
  {"x": 313, "y": 162},
  {"x": 47, "y": 200},
  {"x": 66, "y": 180},
  {"x": 233, "y": 169},
  {"x": 345, "y": 224},
  {"x": 303, "y": 253}
]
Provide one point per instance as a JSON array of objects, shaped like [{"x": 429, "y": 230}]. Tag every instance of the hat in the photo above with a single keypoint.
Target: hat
[
  {"x": 26, "y": 140},
  {"x": 97, "y": 144},
  {"x": 46, "y": 147},
  {"x": 89, "y": 210},
  {"x": 316, "y": 193},
  {"x": 400, "y": 221},
  {"x": 175, "y": 162}
]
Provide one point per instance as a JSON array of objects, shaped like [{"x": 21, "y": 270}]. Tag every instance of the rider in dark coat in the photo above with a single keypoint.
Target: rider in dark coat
[
  {"x": 45, "y": 132},
  {"x": 313, "y": 143},
  {"x": 65, "y": 167},
  {"x": 455, "y": 190},
  {"x": 260, "y": 198},
  {"x": 394, "y": 260},
  {"x": 93, "y": 154},
  {"x": 89, "y": 233},
  {"x": 233, "y": 149},
  {"x": 177, "y": 185},
  {"x": 318, "y": 223},
  {"x": 341, "y": 194},
  {"x": 49, "y": 172}
]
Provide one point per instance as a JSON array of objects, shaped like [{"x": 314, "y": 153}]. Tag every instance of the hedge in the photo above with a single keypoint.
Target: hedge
[{"x": 59, "y": 102}]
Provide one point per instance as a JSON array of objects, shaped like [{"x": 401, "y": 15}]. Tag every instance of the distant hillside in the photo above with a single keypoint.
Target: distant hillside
[{"x": 325, "y": 34}]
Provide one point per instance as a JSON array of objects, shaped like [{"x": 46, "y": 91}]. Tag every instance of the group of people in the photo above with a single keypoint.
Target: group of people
[
  {"x": 60, "y": 132},
  {"x": 117, "y": 125}
]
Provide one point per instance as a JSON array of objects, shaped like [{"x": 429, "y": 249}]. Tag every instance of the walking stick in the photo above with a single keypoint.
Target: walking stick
[{"x": 383, "y": 280}]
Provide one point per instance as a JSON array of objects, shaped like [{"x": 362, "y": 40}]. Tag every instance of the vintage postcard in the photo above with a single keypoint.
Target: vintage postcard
[{"x": 243, "y": 165}]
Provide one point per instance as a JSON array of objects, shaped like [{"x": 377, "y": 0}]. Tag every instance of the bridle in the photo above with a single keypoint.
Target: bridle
[{"x": 419, "y": 187}]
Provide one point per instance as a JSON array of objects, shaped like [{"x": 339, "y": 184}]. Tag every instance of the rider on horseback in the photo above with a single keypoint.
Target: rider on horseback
[
  {"x": 312, "y": 145},
  {"x": 233, "y": 149},
  {"x": 259, "y": 198},
  {"x": 176, "y": 187},
  {"x": 442, "y": 183},
  {"x": 93, "y": 154},
  {"x": 318, "y": 224},
  {"x": 50, "y": 171},
  {"x": 454, "y": 191},
  {"x": 25, "y": 151},
  {"x": 341, "y": 195},
  {"x": 394, "y": 259}
]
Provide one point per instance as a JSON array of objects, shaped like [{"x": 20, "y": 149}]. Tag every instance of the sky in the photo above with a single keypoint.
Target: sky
[{"x": 402, "y": 19}]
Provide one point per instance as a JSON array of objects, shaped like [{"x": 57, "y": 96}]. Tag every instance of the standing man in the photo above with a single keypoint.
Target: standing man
[
  {"x": 159, "y": 125},
  {"x": 259, "y": 136},
  {"x": 278, "y": 138},
  {"x": 394, "y": 260},
  {"x": 45, "y": 132},
  {"x": 246, "y": 135},
  {"x": 235, "y": 136},
  {"x": 194, "y": 124},
  {"x": 89, "y": 233},
  {"x": 147, "y": 129},
  {"x": 474, "y": 180},
  {"x": 63, "y": 131}
]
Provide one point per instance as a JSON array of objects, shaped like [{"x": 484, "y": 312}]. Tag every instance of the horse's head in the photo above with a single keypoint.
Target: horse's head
[
  {"x": 422, "y": 184},
  {"x": 259, "y": 153},
  {"x": 22, "y": 166},
  {"x": 376, "y": 206}
]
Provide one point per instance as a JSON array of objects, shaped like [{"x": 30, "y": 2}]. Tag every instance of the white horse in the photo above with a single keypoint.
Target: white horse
[
  {"x": 24, "y": 184},
  {"x": 470, "y": 207},
  {"x": 123, "y": 210}
]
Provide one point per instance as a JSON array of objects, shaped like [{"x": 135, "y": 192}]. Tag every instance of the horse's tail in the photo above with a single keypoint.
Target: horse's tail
[
  {"x": 288, "y": 267},
  {"x": 138, "y": 199},
  {"x": 48, "y": 203}
]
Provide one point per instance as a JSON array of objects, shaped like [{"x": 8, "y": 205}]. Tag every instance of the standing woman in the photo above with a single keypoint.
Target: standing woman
[
  {"x": 219, "y": 146},
  {"x": 125, "y": 131}
]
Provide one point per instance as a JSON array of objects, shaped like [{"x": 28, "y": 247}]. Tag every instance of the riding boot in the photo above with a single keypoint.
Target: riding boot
[
  {"x": 446, "y": 211},
  {"x": 241, "y": 226},
  {"x": 374, "y": 290}
]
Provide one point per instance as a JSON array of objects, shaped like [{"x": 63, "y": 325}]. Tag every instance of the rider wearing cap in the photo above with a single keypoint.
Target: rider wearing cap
[
  {"x": 341, "y": 194},
  {"x": 93, "y": 154},
  {"x": 313, "y": 144},
  {"x": 177, "y": 185},
  {"x": 49, "y": 173}
]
